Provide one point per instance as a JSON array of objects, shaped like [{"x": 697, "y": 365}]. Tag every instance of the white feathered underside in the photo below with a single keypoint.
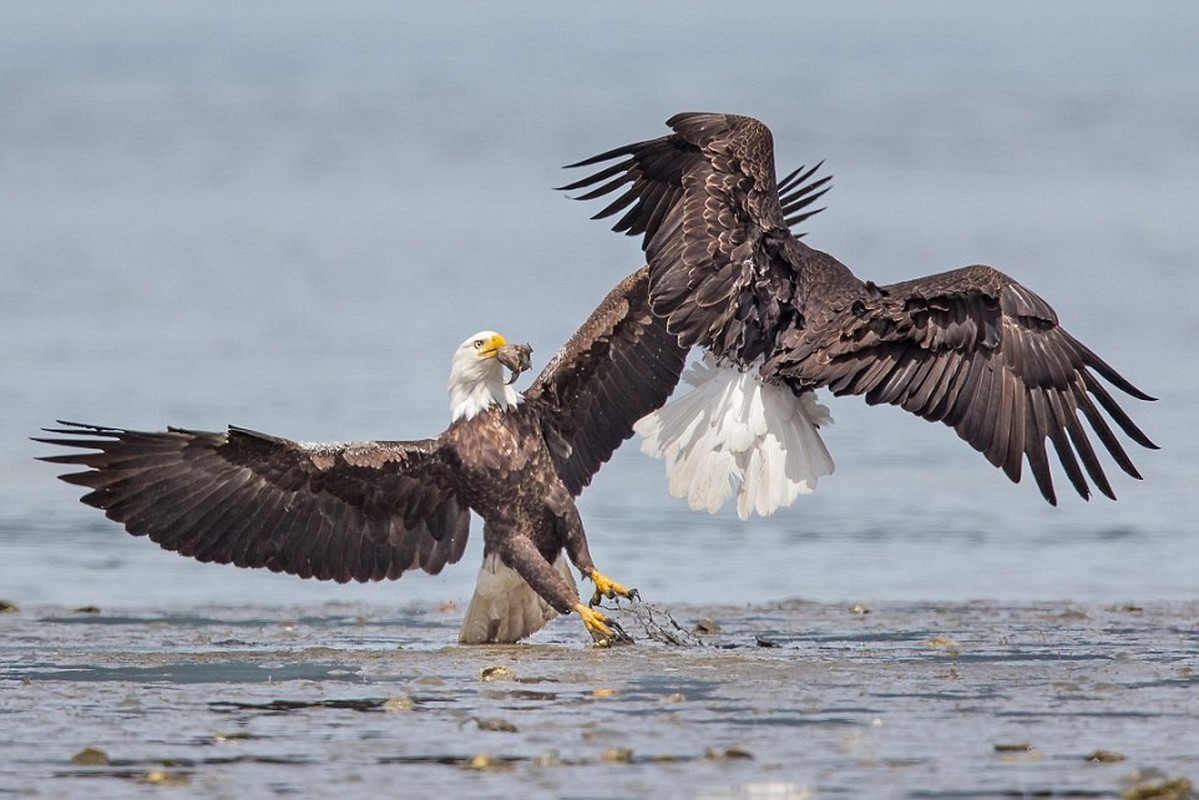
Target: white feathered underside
[
  {"x": 733, "y": 432},
  {"x": 505, "y": 609}
]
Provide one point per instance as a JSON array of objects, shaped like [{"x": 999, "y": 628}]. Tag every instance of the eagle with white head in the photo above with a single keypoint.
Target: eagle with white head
[{"x": 371, "y": 510}]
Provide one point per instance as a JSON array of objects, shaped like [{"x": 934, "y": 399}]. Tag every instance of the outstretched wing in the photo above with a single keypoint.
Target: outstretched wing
[
  {"x": 708, "y": 206},
  {"x": 363, "y": 511},
  {"x": 619, "y": 366},
  {"x": 978, "y": 351}
]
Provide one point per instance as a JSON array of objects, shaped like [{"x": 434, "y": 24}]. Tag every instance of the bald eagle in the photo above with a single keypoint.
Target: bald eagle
[
  {"x": 371, "y": 510},
  {"x": 971, "y": 348}
]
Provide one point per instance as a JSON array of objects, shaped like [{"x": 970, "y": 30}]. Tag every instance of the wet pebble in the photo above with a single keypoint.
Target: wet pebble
[
  {"x": 617, "y": 755},
  {"x": 1150, "y": 786},
  {"x": 91, "y": 757},
  {"x": 484, "y": 762},
  {"x": 501, "y": 725},
  {"x": 160, "y": 777},
  {"x": 497, "y": 673},
  {"x": 945, "y": 644},
  {"x": 727, "y": 754},
  {"x": 399, "y": 703}
]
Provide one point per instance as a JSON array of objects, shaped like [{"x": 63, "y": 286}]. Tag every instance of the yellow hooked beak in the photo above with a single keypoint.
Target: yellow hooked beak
[{"x": 488, "y": 347}]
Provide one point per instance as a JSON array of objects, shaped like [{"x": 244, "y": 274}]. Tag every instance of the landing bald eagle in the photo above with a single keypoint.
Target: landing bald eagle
[
  {"x": 971, "y": 348},
  {"x": 371, "y": 510}
]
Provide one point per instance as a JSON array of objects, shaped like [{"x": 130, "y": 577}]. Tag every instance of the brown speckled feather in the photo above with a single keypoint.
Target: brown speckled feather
[
  {"x": 342, "y": 512},
  {"x": 620, "y": 365},
  {"x": 971, "y": 348}
]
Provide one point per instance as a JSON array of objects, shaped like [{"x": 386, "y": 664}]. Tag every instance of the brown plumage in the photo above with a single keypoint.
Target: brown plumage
[
  {"x": 373, "y": 510},
  {"x": 971, "y": 347}
]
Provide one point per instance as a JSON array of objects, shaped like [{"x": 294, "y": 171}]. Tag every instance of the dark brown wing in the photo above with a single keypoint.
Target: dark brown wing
[
  {"x": 619, "y": 366},
  {"x": 363, "y": 511},
  {"x": 976, "y": 350},
  {"x": 708, "y": 204}
]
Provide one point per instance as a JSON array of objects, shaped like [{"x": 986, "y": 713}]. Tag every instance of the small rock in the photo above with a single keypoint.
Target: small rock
[
  {"x": 401, "y": 702},
  {"x": 1105, "y": 757},
  {"x": 728, "y": 754},
  {"x": 160, "y": 777},
  {"x": 946, "y": 644},
  {"x": 1154, "y": 788},
  {"x": 617, "y": 755},
  {"x": 487, "y": 763},
  {"x": 501, "y": 725},
  {"x": 91, "y": 757},
  {"x": 497, "y": 673}
]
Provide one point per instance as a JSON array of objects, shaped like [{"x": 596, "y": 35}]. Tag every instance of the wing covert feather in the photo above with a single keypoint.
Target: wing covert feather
[{"x": 620, "y": 365}]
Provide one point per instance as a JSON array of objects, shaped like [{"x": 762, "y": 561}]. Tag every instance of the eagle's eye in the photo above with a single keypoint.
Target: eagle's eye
[{"x": 478, "y": 344}]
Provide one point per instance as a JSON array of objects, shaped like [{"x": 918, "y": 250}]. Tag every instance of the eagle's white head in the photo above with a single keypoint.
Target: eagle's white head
[{"x": 477, "y": 377}]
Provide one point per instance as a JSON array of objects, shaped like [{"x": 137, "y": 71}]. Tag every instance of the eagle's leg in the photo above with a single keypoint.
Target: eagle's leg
[
  {"x": 606, "y": 587},
  {"x": 524, "y": 557},
  {"x": 603, "y": 630},
  {"x": 576, "y": 549}
]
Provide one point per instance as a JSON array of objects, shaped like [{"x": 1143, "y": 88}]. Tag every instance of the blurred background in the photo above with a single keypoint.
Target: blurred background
[{"x": 287, "y": 215}]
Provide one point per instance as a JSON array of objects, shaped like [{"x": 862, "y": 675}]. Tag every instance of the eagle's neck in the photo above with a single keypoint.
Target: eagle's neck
[{"x": 477, "y": 385}]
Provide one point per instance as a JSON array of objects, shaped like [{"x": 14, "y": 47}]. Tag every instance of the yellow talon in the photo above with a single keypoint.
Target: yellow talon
[
  {"x": 606, "y": 587},
  {"x": 603, "y": 630}
]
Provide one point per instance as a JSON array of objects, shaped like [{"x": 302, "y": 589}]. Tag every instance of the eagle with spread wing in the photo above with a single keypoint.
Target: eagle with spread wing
[
  {"x": 366, "y": 511},
  {"x": 971, "y": 348}
]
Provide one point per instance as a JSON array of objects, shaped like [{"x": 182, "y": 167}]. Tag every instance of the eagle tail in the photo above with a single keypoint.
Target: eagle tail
[
  {"x": 505, "y": 609},
  {"x": 733, "y": 432}
]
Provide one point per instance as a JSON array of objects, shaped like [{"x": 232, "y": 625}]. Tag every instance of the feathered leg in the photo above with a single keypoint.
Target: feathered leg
[{"x": 602, "y": 629}]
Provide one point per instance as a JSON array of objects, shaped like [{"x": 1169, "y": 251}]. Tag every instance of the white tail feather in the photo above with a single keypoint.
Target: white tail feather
[
  {"x": 504, "y": 608},
  {"x": 732, "y": 431}
]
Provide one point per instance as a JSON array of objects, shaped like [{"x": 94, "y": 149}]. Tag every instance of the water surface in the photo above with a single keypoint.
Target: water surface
[{"x": 287, "y": 216}]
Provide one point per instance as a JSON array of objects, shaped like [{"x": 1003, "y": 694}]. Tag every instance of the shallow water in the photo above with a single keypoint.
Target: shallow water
[{"x": 784, "y": 701}]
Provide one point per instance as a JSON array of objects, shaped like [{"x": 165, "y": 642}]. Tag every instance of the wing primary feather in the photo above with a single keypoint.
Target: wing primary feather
[
  {"x": 1034, "y": 448},
  {"x": 1105, "y": 433},
  {"x": 1086, "y": 452},
  {"x": 1118, "y": 414},
  {"x": 1065, "y": 453}
]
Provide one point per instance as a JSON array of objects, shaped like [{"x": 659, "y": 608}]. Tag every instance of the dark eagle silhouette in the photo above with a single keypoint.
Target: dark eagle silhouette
[
  {"x": 367, "y": 511},
  {"x": 971, "y": 348}
]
